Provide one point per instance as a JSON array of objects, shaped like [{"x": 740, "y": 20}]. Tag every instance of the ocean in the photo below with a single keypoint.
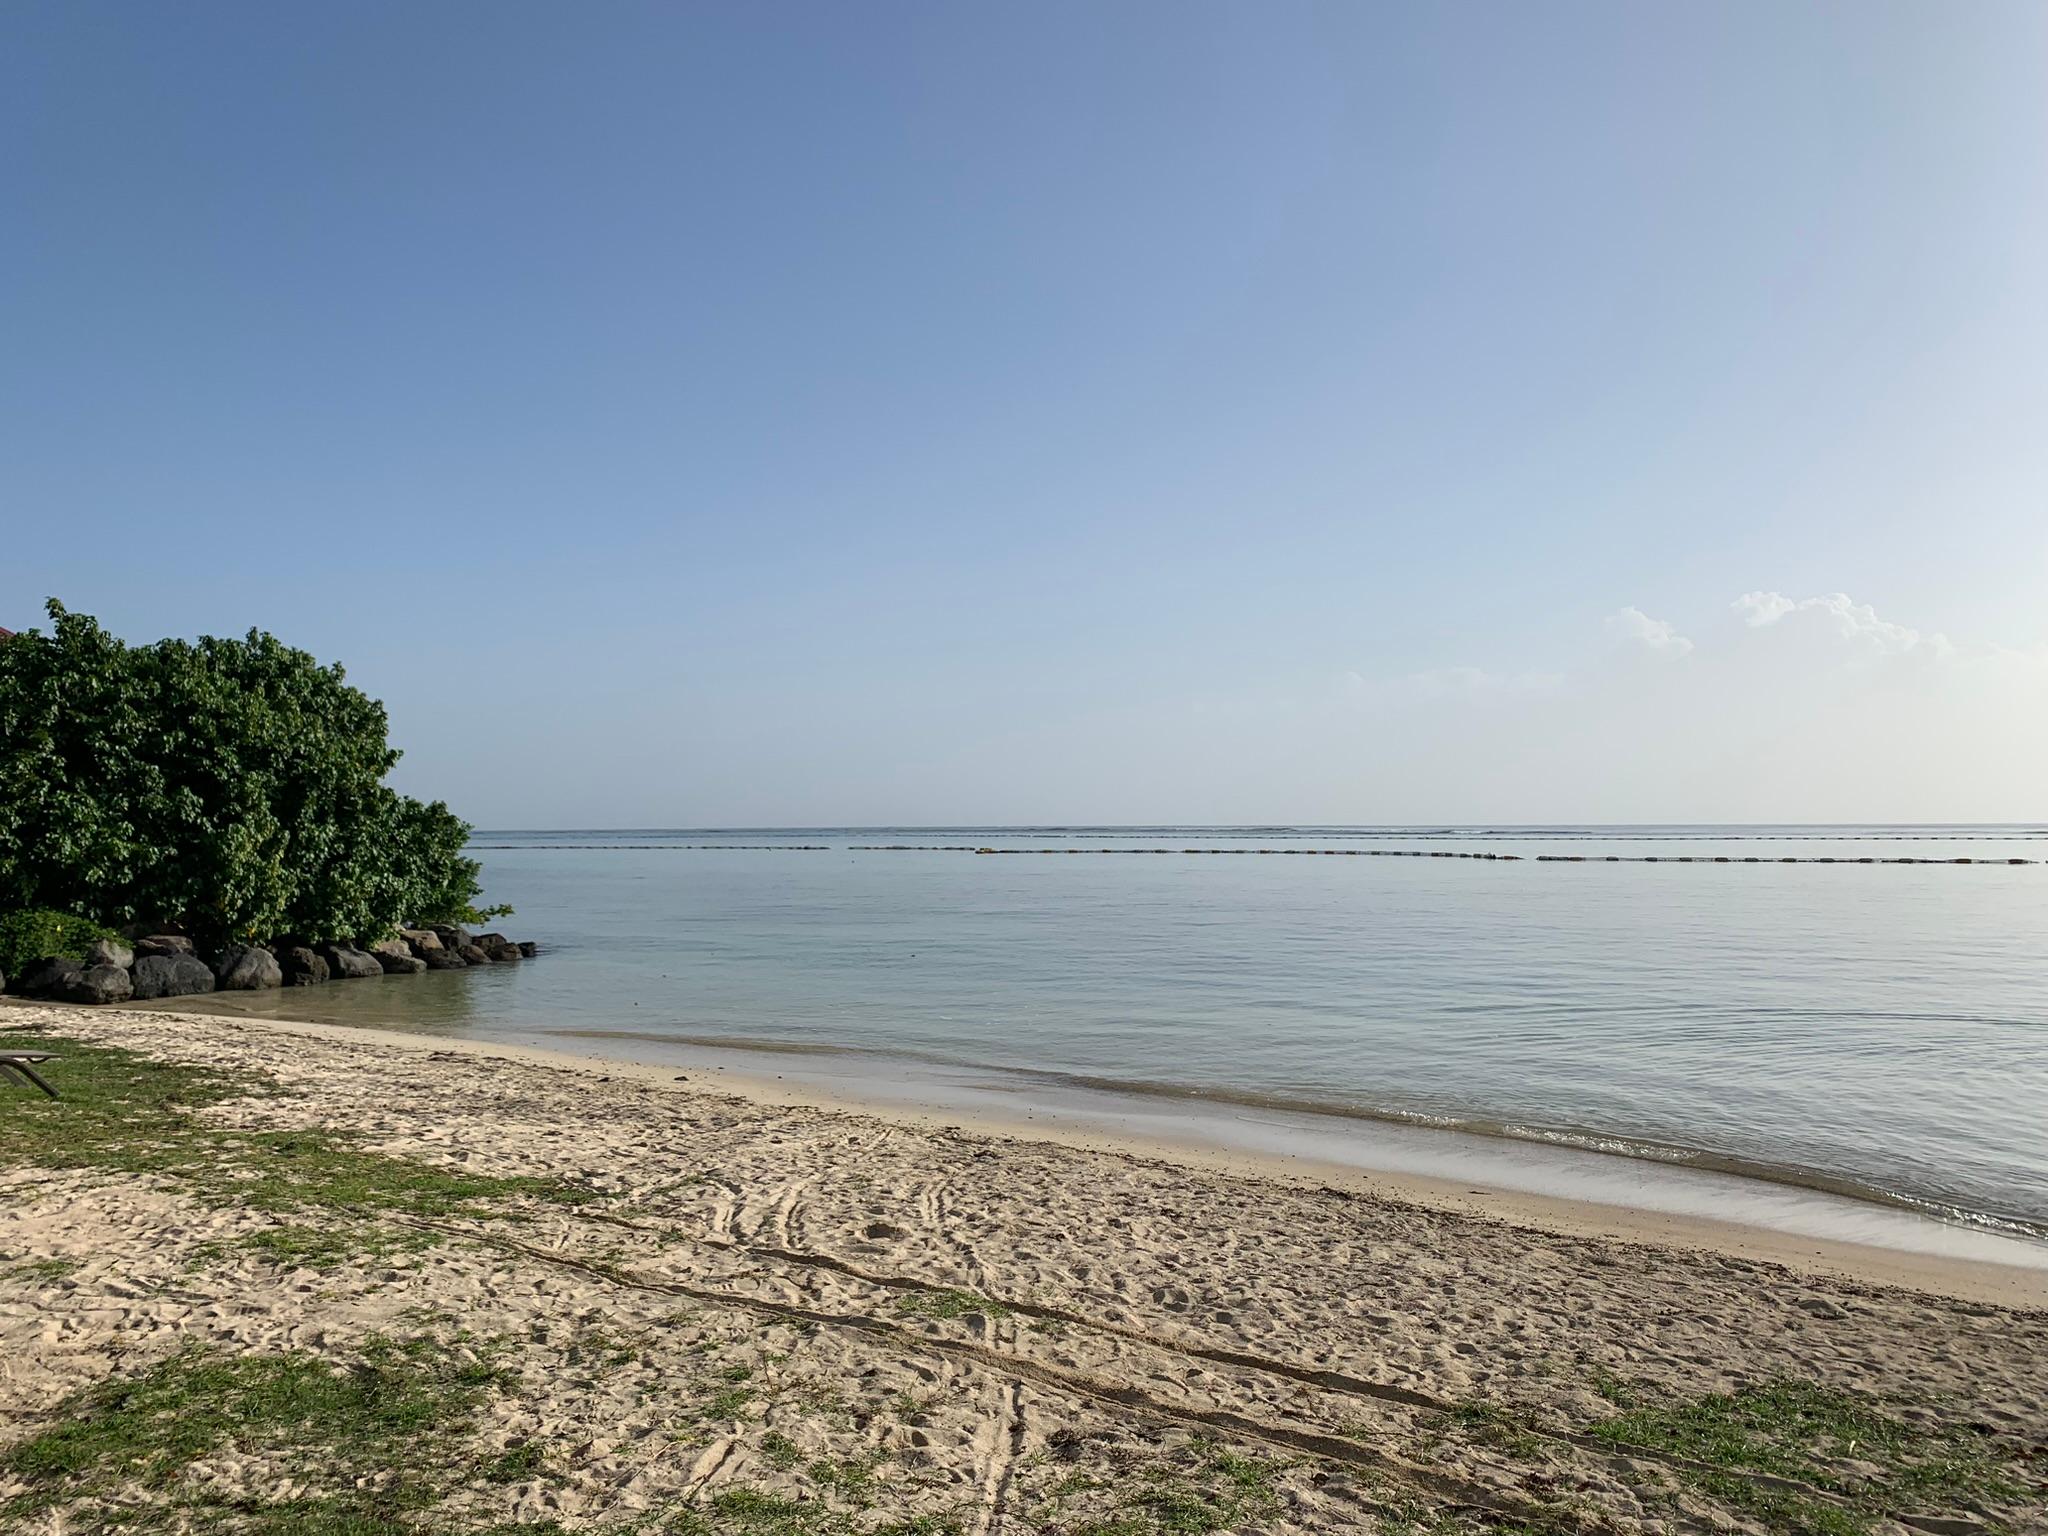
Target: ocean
[{"x": 1610, "y": 1000}]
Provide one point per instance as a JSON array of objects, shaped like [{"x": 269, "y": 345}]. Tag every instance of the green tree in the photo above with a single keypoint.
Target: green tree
[{"x": 236, "y": 786}]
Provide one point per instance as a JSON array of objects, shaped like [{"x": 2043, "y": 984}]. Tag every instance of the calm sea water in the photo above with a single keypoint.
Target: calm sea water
[{"x": 1877, "y": 1028}]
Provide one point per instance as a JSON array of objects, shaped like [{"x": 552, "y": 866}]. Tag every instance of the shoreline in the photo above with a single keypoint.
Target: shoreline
[
  {"x": 1575, "y": 1164},
  {"x": 2010, "y": 1283},
  {"x": 944, "y": 1085}
]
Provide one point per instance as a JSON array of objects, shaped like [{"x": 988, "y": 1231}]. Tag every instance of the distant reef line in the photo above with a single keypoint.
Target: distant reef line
[{"x": 1331, "y": 853}]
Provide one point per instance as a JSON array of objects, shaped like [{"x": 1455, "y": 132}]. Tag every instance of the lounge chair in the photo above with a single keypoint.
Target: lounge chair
[{"x": 23, "y": 1064}]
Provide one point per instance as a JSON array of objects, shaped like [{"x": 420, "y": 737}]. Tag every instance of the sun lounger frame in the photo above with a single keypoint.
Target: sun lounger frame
[{"x": 23, "y": 1064}]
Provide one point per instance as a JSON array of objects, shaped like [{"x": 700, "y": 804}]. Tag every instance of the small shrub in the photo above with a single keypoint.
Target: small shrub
[
  {"x": 30, "y": 936},
  {"x": 236, "y": 787}
]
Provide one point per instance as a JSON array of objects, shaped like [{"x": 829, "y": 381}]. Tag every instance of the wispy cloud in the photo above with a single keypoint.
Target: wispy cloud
[{"x": 1658, "y": 634}]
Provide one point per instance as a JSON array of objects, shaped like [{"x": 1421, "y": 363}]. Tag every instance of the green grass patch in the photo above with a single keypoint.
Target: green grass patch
[
  {"x": 37, "y": 1271},
  {"x": 1612, "y": 1387},
  {"x": 1412, "y": 1517},
  {"x": 911, "y": 1407},
  {"x": 757, "y": 1512},
  {"x": 1800, "y": 1431},
  {"x": 379, "y": 1434},
  {"x": 515, "y": 1464},
  {"x": 1507, "y": 1429},
  {"x": 852, "y": 1478},
  {"x": 726, "y": 1403},
  {"x": 291, "y": 1246},
  {"x": 948, "y": 1305},
  {"x": 123, "y": 1113},
  {"x": 1199, "y": 1488}
]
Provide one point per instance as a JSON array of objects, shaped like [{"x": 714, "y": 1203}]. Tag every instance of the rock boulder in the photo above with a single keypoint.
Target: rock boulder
[
  {"x": 397, "y": 958},
  {"x": 47, "y": 977},
  {"x": 110, "y": 952},
  {"x": 420, "y": 938},
  {"x": 472, "y": 954},
  {"x": 249, "y": 969},
  {"x": 442, "y": 960},
  {"x": 347, "y": 963},
  {"x": 301, "y": 967},
  {"x": 97, "y": 984},
  {"x": 164, "y": 944},
  {"x": 171, "y": 976}
]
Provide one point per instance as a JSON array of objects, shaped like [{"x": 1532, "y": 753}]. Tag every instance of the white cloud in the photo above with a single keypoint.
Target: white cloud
[
  {"x": 1852, "y": 621},
  {"x": 1658, "y": 634},
  {"x": 1761, "y": 608}
]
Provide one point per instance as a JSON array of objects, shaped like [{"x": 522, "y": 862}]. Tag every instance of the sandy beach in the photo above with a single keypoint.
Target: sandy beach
[{"x": 680, "y": 1303}]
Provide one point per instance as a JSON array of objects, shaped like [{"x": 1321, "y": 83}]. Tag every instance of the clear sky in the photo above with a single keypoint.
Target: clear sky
[{"x": 858, "y": 413}]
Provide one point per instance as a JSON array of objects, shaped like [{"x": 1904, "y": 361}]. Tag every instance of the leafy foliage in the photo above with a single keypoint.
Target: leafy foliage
[
  {"x": 27, "y": 936},
  {"x": 236, "y": 786}
]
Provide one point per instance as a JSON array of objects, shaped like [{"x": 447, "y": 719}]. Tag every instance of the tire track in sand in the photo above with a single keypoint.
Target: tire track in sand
[
  {"x": 999, "y": 1444},
  {"x": 990, "y": 1353}
]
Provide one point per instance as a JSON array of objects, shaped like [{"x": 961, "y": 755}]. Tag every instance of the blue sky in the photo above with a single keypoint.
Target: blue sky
[{"x": 833, "y": 414}]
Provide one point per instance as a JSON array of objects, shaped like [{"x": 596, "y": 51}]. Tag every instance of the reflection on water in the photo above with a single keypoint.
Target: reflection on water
[{"x": 458, "y": 1002}]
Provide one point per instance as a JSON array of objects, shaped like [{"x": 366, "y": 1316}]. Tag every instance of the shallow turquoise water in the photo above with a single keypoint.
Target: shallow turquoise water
[{"x": 1882, "y": 1028}]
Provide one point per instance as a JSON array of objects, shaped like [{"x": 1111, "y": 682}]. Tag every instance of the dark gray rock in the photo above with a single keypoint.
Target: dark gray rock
[
  {"x": 171, "y": 976},
  {"x": 164, "y": 944},
  {"x": 528, "y": 948},
  {"x": 249, "y": 969},
  {"x": 347, "y": 963},
  {"x": 110, "y": 952},
  {"x": 472, "y": 954},
  {"x": 397, "y": 958},
  {"x": 420, "y": 938},
  {"x": 452, "y": 937},
  {"x": 442, "y": 960},
  {"x": 502, "y": 951},
  {"x": 46, "y": 977},
  {"x": 97, "y": 984},
  {"x": 301, "y": 967}
]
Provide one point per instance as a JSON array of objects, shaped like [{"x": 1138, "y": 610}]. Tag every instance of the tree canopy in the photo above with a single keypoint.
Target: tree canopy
[{"x": 235, "y": 786}]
